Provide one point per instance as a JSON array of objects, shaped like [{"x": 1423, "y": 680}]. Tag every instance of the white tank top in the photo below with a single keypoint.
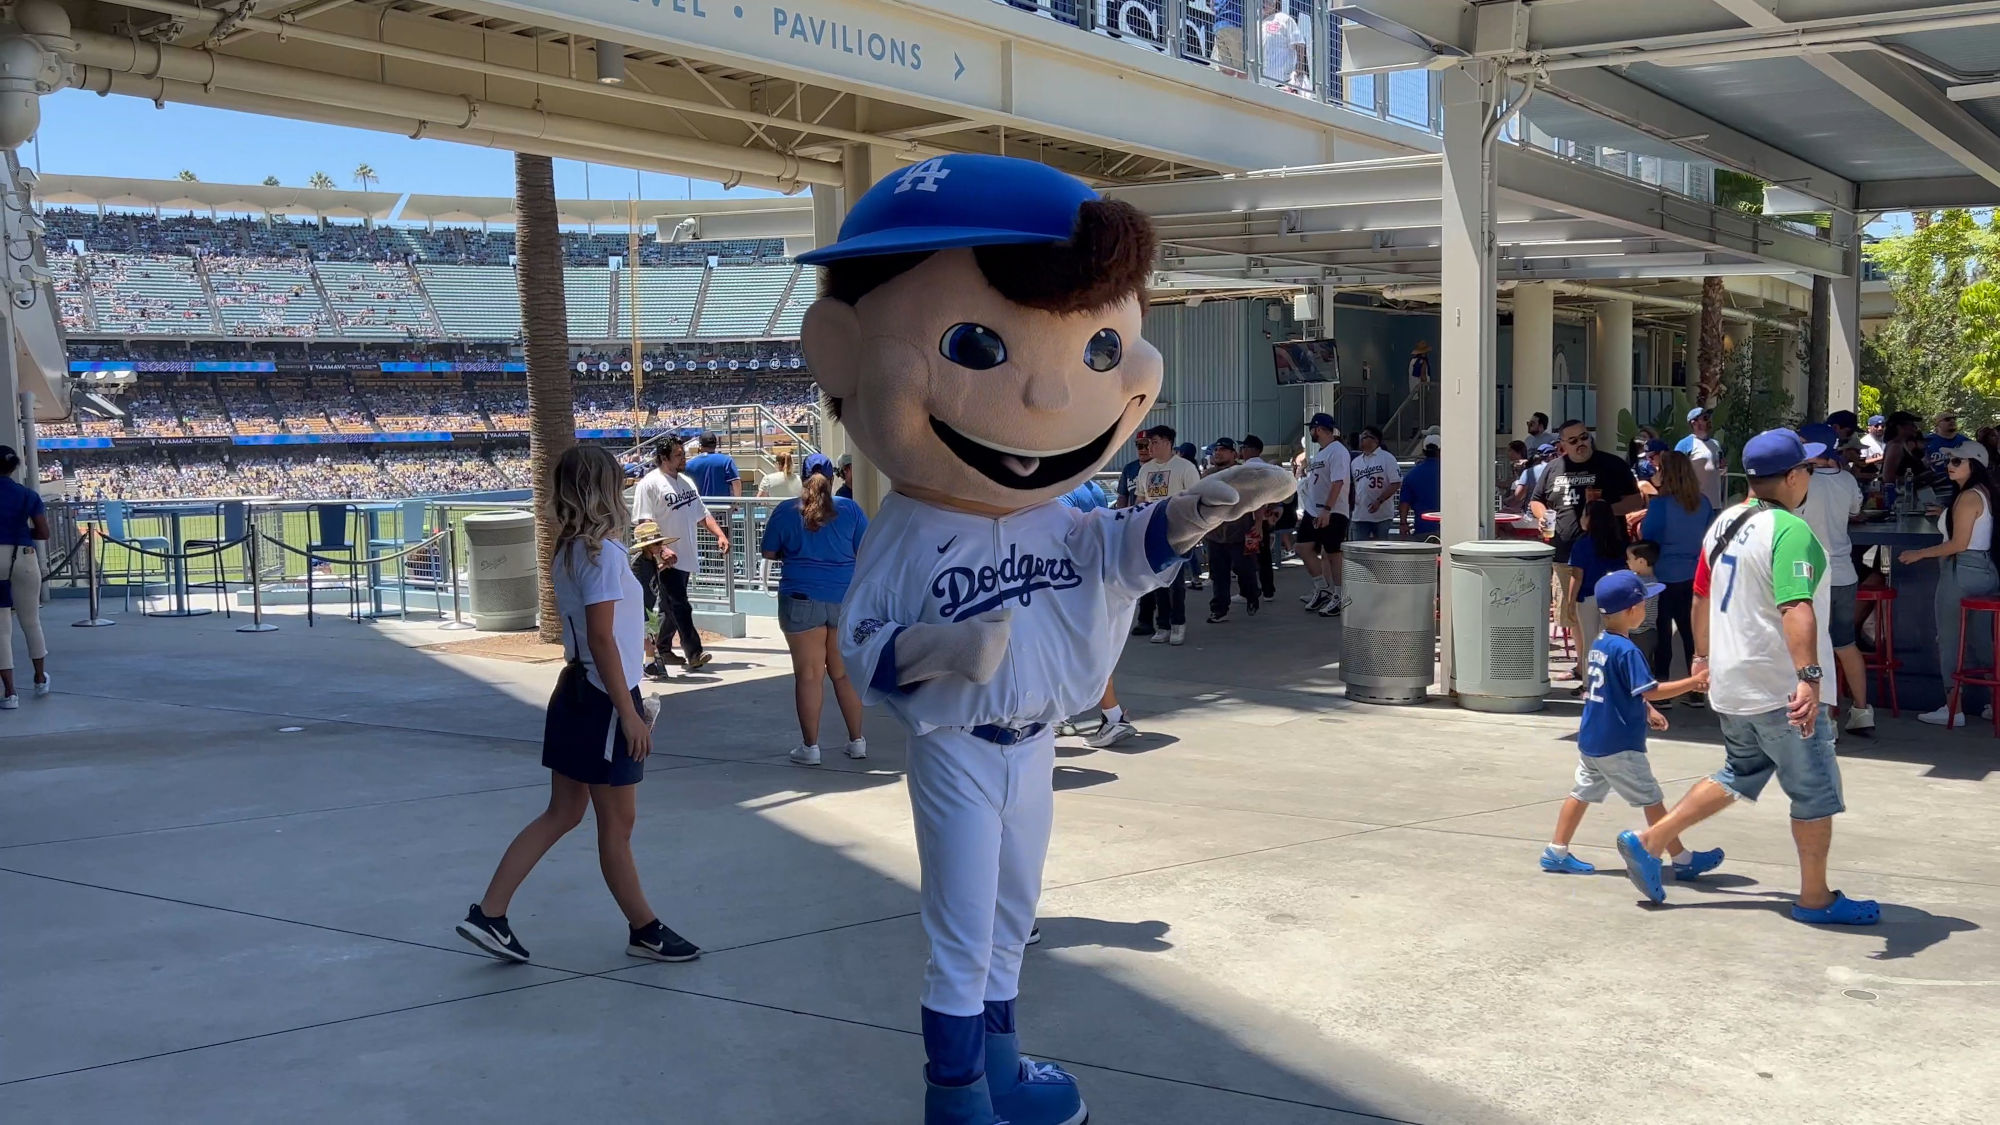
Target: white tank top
[{"x": 1982, "y": 528}]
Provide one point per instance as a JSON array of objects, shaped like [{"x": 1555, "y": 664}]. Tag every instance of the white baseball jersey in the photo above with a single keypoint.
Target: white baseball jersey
[
  {"x": 1069, "y": 577},
  {"x": 1331, "y": 463}
]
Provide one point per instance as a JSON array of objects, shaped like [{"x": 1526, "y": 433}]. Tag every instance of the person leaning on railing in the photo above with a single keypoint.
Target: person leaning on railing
[{"x": 24, "y": 539}]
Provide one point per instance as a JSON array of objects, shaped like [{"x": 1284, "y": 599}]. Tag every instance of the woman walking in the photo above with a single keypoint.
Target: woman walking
[
  {"x": 782, "y": 484},
  {"x": 1965, "y": 568},
  {"x": 597, "y": 735},
  {"x": 1677, "y": 519},
  {"x": 24, "y": 523},
  {"x": 816, "y": 537}
]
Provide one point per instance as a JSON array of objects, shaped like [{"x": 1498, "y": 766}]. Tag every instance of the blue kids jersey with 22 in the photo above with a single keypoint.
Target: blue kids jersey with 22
[{"x": 1614, "y": 714}]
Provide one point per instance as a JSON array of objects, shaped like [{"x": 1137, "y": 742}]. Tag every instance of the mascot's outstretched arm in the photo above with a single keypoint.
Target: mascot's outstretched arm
[{"x": 1222, "y": 497}]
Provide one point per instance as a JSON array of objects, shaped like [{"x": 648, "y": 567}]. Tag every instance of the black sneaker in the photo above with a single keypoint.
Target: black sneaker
[
  {"x": 1142, "y": 630},
  {"x": 1319, "y": 601},
  {"x": 1333, "y": 606},
  {"x": 655, "y": 671},
  {"x": 1220, "y": 616},
  {"x": 492, "y": 935},
  {"x": 655, "y": 942},
  {"x": 1034, "y": 935},
  {"x": 1251, "y": 609}
]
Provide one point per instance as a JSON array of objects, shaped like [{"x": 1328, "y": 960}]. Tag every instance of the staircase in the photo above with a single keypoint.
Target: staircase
[
  {"x": 424, "y": 295},
  {"x": 208, "y": 294},
  {"x": 700, "y": 295},
  {"x": 326, "y": 299}
]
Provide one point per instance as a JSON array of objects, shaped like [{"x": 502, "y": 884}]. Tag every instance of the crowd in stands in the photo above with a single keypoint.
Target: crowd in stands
[{"x": 328, "y": 474}]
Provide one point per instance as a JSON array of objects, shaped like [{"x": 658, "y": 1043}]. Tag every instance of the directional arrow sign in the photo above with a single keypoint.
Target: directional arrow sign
[{"x": 959, "y": 63}]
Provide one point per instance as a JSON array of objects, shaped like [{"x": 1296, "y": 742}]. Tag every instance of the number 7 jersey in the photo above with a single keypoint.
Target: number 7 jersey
[{"x": 1771, "y": 560}]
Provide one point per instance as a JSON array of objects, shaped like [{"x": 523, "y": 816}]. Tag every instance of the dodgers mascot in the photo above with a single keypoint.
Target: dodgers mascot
[{"x": 977, "y": 333}]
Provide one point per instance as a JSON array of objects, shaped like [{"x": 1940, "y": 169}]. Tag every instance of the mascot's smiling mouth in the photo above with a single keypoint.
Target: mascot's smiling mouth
[{"x": 1024, "y": 470}]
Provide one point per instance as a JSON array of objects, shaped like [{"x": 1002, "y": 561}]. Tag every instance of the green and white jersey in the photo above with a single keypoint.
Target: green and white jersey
[{"x": 1772, "y": 560}]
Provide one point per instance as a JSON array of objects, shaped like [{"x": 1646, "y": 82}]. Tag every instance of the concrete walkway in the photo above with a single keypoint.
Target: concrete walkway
[{"x": 1274, "y": 908}]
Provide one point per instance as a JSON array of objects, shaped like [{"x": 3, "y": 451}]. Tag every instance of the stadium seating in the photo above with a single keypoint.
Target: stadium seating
[
  {"x": 476, "y": 302},
  {"x": 741, "y": 301},
  {"x": 376, "y": 300},
  {"x": 267, "y": 297},
  {"x": 587, "y": 299},
  {"x": 666, "y": 300},
  {"x": 149, "y": 294},
  {"x": 790, "y": 317}
]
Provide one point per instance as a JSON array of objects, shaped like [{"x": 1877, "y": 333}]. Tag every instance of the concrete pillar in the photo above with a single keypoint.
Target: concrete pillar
[
  {"x": 1843, "y": 342},
  {"x": 1534, "y": 352},
  {"x": 1466, "y": 400},
  {"x": 1611, "y": 369},
  {"x": 861, "y": 166}
]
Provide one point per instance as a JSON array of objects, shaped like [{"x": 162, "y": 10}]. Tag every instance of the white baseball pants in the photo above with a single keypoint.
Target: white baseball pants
[{"x": 983, "y": 814}]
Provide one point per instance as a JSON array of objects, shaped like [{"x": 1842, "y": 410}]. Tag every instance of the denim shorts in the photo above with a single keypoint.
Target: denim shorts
[
  {"x": 800, "y": 614},
  {"x": 1628, "y": 774},
  {"x": 1840, "y": 618},
  {"x": 1758, "y": 746},
  {"x": 1364, "y": 530}
]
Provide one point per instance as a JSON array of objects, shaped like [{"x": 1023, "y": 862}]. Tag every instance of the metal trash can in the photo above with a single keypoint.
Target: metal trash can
[
  {"x": 1500, "y": 624},
  {"x": 501, "y": 570},
  {"x": 1388, "y": 645}
]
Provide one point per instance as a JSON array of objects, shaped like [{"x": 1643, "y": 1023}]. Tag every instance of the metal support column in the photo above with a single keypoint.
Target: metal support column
[
  {"x": 1843, "y": 343},
  {"x": 1465, "y": 369},
  {"x": 1613, "y": 370},
  {"x": 1534, "y": 352},
  {"x": 862, "y": 165}
]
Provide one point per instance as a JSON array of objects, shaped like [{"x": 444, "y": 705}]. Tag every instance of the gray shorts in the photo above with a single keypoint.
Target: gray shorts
[
  {"x": 800, "y": 614},
  {"x": 1629, "y": 774}
]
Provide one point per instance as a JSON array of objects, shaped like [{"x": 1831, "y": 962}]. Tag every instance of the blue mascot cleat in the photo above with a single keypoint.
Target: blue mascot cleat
[
  {"x": 1026, "y": 1092},
  {"x": 959, "y": 1105},
  {"x": 1698, "y": 864}
]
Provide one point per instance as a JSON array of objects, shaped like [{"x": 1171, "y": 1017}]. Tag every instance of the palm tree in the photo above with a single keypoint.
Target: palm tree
[
  {"x": 365, "y": 175},
  {"x": 188, "y": 177},
  {"x": 320, "y": 180},
  {"x": 270, "y": 181},
  {"x": 545, "y": 322},
  {"x": 1708, "y": 384}
]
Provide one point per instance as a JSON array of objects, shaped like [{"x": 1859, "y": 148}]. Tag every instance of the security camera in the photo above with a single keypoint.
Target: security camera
[
  {"x": 33, "y": 224},
  {"x": 27, "y": 177},
  {"x": 38, "y": 273}
]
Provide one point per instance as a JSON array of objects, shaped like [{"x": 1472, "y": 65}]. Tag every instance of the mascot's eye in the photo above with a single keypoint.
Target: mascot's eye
[
  {"x": 1104, "y": 350},
  {"x": 973, "y": 346}
]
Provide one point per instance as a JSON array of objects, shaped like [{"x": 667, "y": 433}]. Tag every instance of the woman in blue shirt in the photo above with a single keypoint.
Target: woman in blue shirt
[
  {"x": 24, "y": 539},
  {"x": 1677, "y": 519},
  {"x": 816, "y": 537}
]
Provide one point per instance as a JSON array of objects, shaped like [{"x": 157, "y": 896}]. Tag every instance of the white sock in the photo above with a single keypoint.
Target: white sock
[
  {"x": 1683, "y": 856},
  {"x": 1114, "y": 714},
  {"x": 1319, "y": 584},
  {"x": 1559, "y": 849}
]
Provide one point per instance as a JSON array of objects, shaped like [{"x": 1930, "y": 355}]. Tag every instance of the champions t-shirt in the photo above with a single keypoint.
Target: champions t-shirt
[
  {"x": 1566, "y": 486},
  {"x": 1772, "y": 560},
  {"x": 1614, "y": 707}
]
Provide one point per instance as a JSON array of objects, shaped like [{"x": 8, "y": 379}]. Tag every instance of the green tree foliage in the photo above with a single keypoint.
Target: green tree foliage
[{"x": 1940, "y": 349}]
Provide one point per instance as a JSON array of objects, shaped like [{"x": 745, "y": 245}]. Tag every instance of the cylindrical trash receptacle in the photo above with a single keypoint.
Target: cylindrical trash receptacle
[
  {"x": 1500, "y": 624},
  {"x": 1388, "y": 635},
  {"x": 501, "y": 570}
]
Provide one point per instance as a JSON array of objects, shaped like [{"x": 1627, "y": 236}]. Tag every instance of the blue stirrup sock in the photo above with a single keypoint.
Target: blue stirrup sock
[
  {"x": 955, "y": 1047},
  {"x": 999, "y": 1017}
]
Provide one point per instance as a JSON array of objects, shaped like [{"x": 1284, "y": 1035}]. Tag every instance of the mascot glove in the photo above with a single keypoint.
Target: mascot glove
[
  {"x": 1224, "y": 496},
  {"x": 971, "y": 650}
]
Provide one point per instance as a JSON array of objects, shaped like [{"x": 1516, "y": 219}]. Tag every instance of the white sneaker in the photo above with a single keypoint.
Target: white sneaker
[
  {"x": 857, "y": 748},
  {"x": 1160, "y": 636},
  {"x": 10, "y": 703},
  {"x": 1985, "y": 712},
  {"x": 1178, "y": 636},
  {"x": 1942, "y": 717},
  {"x": 1861, "y": 720},
  {"x": 1111, "y": 734},
  {"x": 805, "y": 756},
  {"x": 41, "y": 687}
]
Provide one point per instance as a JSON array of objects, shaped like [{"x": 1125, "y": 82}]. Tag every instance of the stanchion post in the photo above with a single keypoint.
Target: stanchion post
[
  {"x": 257, "y": 622},
  {"x": 457, "y": 620},
  {"x": 94, "y": 621}
]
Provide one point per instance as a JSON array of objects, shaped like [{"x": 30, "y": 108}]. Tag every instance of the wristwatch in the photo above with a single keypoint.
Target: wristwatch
[{"x": 1810, "y": 674}]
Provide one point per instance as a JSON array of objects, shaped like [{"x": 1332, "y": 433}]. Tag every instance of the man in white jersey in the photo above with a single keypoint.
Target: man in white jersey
[
  {"x": 1324, "y": 499},
  {"x": 978, "y": 333},
  {"x": 1710, "y": 466},
  {"x": 669, "y": 497},
  {"x": 1760, "y": 596},
  {"x": 1833, "y": 501}
]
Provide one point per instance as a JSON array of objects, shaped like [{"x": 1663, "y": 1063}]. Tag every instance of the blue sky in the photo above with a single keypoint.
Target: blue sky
[{"x": 221, "y": 146}]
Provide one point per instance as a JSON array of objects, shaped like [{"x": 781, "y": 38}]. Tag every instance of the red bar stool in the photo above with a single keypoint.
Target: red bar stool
[
  {"x": 1881, "y": 664},
  {"x": 1975, "y": 677}
]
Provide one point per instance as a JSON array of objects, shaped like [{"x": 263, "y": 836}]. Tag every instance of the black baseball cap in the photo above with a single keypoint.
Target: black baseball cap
[{"x": 1224, "y": 443}]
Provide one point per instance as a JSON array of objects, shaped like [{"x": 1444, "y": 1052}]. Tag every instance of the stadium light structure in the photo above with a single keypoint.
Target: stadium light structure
[{"x": 610, "y": 63}]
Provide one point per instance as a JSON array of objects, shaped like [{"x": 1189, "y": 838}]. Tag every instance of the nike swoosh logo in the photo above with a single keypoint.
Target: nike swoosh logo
[{"x": 947, "y": 544}]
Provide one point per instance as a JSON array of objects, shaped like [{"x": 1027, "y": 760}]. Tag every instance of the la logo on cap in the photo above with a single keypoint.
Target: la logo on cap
[{"x": 923, "y": 177}]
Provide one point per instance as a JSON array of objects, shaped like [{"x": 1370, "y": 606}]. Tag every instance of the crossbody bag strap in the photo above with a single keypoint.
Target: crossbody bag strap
[{"x": 1728, "y": 533}]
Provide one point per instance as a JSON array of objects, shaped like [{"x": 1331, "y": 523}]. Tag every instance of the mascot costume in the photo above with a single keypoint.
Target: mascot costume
[{"x": 977, "y": 332}]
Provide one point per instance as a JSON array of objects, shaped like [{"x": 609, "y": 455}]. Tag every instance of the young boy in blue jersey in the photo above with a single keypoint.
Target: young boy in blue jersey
[{"x": 1619, "y": 691}]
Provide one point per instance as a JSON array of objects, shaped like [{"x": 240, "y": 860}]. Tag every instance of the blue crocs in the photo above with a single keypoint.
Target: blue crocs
[
  {"x": 1642, "y": 867},
  {"x": 1698, "y": 864},
  {"x": 1565, "y": 864},
  {"x": 1026, "y": 1092},
  {"x": 1842, "y": 911},
  {"x": 959, "y": 1105}
]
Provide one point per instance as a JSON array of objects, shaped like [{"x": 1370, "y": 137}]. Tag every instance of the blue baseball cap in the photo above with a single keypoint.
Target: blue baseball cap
[
  {"x": 1323, "y": 422},
  {"x": 1842, "y": 418},
  {"x": 1545, "y": 449},
  {"x": 1774, "y": 453},
  {"x": 1876, "y": 419},
  {"x": 1621, "y": 590},
  {"x": 1657, "y": 446},
  {"x": 1820, "y": 433},
  {"x": 817, "y": 463},
  {"x": 1699, "y": 411},
  {"x": 962, "y": 199}
]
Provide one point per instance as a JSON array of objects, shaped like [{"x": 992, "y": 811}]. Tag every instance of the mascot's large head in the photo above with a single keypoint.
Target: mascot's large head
[{"x": 977, "y": 329}]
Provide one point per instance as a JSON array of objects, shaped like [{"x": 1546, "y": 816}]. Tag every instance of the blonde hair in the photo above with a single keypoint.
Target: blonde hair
[
  {"x": 587, "y": 498},
  {"x": 1678, "y": 480},
  {"x": 784, "y": 459}
]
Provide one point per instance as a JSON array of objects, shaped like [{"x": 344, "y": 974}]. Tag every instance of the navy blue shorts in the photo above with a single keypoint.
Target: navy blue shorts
[{"x": 581, "y": 738}]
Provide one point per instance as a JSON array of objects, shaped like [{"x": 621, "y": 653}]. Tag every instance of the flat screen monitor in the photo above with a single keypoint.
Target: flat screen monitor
[{"x": 1306, "y": 361}]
